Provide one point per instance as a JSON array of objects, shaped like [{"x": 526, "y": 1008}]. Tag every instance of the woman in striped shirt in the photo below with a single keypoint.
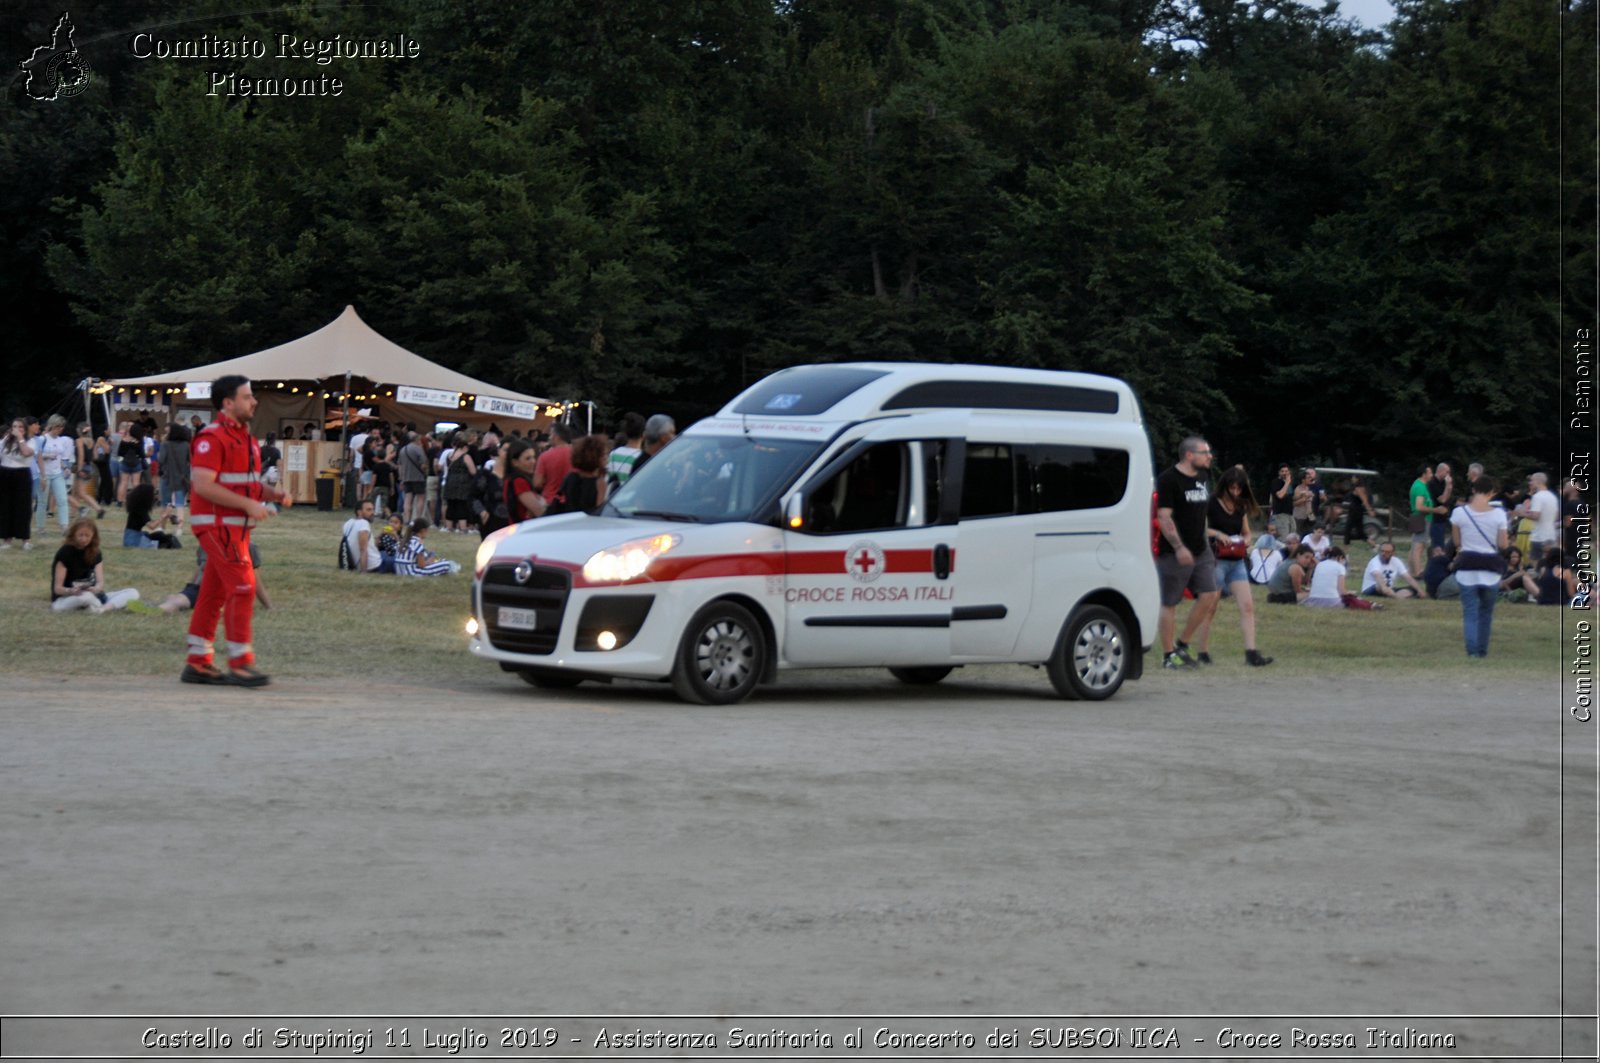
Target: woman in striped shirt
[{"x": 415, "y": 559}]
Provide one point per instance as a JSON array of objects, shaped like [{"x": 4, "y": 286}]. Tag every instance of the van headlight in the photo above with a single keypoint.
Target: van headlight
[
  {"x": 628, "y": 561},
  {"x": 486, "y": 548}
]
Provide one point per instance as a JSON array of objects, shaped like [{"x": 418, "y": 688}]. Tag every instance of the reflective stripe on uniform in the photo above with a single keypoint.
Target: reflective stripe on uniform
[
  {"x": 238, "y": 478},
  {"x": 203, "y": 520}
]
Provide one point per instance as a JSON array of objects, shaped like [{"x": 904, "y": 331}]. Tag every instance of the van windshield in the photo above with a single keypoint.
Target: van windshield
[{"x": 712, "y": 479}]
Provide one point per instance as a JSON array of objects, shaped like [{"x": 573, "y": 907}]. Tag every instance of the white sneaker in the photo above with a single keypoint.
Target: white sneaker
[
  {"x": 5, "y": 546},
  {"x": 27, "y": 544}
]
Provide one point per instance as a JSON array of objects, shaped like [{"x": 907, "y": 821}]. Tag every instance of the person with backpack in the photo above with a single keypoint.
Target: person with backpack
[
  {"x": 358, "y": 547},
  {"x": 488, "y": 495},
  {"x": 584, "y": 488}
]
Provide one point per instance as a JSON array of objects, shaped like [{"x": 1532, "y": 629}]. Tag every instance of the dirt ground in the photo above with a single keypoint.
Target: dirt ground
[{"x": 842, "y": 844}]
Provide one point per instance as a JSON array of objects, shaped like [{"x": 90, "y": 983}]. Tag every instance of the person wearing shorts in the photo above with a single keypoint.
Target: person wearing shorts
[{"x": 1184, "y": 560}]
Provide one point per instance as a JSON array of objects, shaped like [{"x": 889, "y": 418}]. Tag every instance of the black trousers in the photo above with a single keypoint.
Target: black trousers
[{"x": 16, "y": 503}]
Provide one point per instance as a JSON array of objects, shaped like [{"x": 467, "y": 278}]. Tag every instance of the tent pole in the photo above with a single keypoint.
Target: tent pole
[
  {"x": 344, "y": 429},
  {"x": 88, "y": 414}
]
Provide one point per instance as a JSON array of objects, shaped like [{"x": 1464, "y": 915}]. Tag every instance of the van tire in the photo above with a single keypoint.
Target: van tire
[
  {"x": 921, "y": 675},
  {"x": 722, "y": 656},
  {"x": 549, "y": 680},
  {"x": 1092, "y": 655}
]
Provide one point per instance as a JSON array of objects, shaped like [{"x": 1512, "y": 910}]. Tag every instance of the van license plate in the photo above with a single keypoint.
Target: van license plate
[{"x": 521, "y": 619}]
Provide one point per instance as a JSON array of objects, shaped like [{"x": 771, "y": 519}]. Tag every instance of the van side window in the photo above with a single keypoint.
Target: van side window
[
  {"x": 1076, "y": 477},
  {"x": 869, "y": 494},
  {"x": 988, "y": 481}
]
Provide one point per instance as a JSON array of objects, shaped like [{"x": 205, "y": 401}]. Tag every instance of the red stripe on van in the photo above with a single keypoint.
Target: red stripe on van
[
  {"x": 771, "y": 563},
  {"x": 832, "y": 562}
]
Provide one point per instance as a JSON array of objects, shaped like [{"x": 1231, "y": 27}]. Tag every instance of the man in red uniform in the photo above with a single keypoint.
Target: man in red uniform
[{"x": 228, "y": 498}]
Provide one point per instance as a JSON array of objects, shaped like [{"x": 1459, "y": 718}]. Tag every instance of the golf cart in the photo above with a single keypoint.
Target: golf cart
[{"x": 1376, "y": 524}]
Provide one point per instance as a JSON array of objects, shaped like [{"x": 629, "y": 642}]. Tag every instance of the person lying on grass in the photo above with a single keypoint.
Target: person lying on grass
[{"x": 184, "y": 600}]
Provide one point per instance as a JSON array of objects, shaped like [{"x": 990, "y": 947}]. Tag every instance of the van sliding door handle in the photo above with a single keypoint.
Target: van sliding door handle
[{"x": 941, "y": 561}]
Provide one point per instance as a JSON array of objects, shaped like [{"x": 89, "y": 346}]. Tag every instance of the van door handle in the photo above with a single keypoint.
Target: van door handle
[{"x": 941, "y": 561}]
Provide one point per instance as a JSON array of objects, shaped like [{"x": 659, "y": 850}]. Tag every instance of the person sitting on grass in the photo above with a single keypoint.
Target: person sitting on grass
[
  {"x": 1437, "y": 579},
  {"x": 415, "y": 559},
  {"x": 1517, "y": 585},
  {"x": 78, "y": 576},
  {"x": 1319, "y": 541},
  {"x": 362, "y": 545},
  {"x": 147, "y": 532},
  {"x": 1384, "y": 571},
  {"x": 1557, "y": 584},
  {"x": 1291, "y": 582},
  {"x": 185, "y": 599},
  {"x": 1328, "y": 589}
]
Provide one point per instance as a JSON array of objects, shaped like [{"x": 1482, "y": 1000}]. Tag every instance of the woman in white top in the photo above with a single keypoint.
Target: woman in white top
[
  {"x": 1319, "y": 541},
  {"x": 16, "y": 486},
  {"x": 1328, "y": 590},
  {"x": 54, "y": 452},
  {"x": 1327, "y": 582},
  {"x": 1479, "y": 531}
]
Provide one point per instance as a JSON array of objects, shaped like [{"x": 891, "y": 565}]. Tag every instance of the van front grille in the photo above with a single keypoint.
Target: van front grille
[{"x": 545, "y": 594}]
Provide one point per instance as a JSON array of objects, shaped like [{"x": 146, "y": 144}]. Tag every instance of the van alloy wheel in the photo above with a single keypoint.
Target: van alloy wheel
[
  {"x": 1091, "y": 657},
  {"x": 722, "y": 656}
]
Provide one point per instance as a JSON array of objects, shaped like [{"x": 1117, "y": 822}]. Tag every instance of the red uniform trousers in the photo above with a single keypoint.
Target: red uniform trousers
[{"x": 228, "y": 593}]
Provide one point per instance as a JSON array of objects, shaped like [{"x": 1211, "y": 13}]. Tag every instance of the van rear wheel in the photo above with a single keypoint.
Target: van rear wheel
[
  {"x": 921, "y": 675},
  {"x": 722, "y": 656},
  {"x": 1091, "y": 657}
]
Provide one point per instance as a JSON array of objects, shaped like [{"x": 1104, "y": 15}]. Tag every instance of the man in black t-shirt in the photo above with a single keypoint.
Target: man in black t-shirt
[
  {"x": 1283, "y": 502},
  {"x": 1183, "y": 557}
]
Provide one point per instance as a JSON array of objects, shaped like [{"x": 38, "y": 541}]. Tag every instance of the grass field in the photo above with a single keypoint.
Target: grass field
[{"x": 343, "y": 627}]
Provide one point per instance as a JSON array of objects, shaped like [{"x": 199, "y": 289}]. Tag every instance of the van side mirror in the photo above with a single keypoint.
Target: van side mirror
[{"x": 794, "y": 513}]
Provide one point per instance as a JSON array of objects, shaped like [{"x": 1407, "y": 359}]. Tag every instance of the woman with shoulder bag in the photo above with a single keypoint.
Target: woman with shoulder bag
[
  {"x": 1228, "y": 527},
  {"x": 1479, "y": 531},
  {"x": 460, "y": 470}
]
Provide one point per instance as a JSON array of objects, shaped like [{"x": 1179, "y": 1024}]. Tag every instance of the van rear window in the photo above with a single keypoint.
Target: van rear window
[
  {"x": 805, "y": 392},
  {"x": 1069, "y": 477},
  {"x": 1002, "y": 395},
  {"x": 999, "y": 480}
]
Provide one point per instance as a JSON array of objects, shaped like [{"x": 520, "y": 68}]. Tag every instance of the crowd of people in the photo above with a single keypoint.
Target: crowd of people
[
  {"x": 1481, "y": 542},
  {"x": 477, "y": 481},
  {"x": 1463, "y": 545},
  {"x": 48, "y": 475}
]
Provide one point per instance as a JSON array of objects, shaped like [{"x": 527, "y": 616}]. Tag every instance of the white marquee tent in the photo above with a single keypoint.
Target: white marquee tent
[{"x": 345, "y": 358}]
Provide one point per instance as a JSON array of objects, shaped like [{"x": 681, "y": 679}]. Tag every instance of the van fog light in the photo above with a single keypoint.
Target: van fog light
[
  {"x": 472, "y": 627},
  {"x": 606, "y": 640}
]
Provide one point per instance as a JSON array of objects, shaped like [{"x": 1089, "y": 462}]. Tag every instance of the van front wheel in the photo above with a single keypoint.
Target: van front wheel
[
  {"x": 722, "y": 656},
  {"x": 1091, "y": 657}
]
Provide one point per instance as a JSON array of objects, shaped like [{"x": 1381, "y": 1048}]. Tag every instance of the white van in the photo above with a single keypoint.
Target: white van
[{"x": 919, "y": 517}]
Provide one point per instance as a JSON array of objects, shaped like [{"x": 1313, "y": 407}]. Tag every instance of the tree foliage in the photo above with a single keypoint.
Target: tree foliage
[{"x": 1300, "y": 237}]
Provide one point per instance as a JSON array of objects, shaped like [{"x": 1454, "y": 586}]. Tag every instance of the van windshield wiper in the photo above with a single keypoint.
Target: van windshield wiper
[{"x": 664, "y": 515}]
